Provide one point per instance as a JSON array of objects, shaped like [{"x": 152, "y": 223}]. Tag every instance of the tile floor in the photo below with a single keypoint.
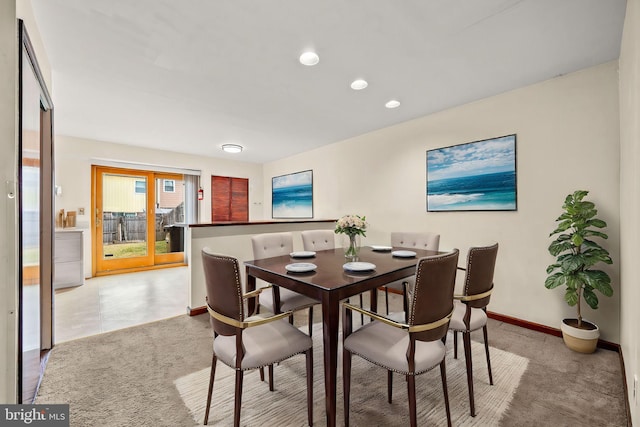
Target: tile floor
[{"x": 107, "y": 303}]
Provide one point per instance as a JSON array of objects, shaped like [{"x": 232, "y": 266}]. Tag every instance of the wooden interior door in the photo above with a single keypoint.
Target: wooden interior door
[{"x": 229, "y": 199}]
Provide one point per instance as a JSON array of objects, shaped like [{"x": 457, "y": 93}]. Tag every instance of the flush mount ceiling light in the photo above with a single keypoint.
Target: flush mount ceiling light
[
  {"x": 359, "y": 84},
  {"x": 309, "y": 58},
  {"x": 392, "y": 104},
  {"x": 232, "y": 148}
]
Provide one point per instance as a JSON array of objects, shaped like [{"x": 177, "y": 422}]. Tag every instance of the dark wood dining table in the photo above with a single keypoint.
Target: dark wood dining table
[{"x": 330, "y": 283}]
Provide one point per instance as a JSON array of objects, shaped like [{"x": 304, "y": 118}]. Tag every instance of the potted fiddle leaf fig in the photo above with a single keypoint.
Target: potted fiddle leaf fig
[{"x": 577, "y": 258}]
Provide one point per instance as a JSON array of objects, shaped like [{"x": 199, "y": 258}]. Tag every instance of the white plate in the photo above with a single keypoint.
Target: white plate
[
  {"x": 403, "y": 254},
  {"x": 359, "y": 266},
  {"x": 300, "y": 267},
  {"x": 302, "y": 254},
  {"x": 380, "y": 248}
]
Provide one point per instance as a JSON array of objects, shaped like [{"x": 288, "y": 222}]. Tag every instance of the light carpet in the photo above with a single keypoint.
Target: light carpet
[{"x": 286, "y": 406}]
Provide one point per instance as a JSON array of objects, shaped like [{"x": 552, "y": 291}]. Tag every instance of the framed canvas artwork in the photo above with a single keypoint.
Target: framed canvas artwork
[
  {"x": 292, "y": 195},
  {"x": 475, "y": 176}
]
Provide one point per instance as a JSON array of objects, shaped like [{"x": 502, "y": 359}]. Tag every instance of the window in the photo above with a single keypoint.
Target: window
[
  {"x": 141, "y": 187},
  {"x": 169, "y": 185}
]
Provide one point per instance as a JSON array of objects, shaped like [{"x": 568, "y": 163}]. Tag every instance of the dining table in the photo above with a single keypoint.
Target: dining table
[{"x": 331, "y": 279}]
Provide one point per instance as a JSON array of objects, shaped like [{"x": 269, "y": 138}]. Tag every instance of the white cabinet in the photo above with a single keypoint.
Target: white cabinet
[{"x": 68, "y": 259}]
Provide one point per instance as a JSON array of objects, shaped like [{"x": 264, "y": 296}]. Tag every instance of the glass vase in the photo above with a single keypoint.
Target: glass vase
[{"x": 352, "y": 248}]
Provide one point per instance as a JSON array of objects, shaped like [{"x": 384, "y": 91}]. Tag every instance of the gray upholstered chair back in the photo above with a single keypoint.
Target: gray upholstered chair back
[
  {"x": 224, "y": 290},
  {"x": 318, "y": 240},
  {"x": 481, "y": 262},
  {"x": 418, "y": 240},
  {"x": 268, "y": 245},
  {"x": 432, "y": 296}
]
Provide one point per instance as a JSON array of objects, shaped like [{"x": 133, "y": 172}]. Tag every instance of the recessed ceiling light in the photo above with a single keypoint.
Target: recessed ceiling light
[
  {"x": 309, "y": 58},
  {"x": 359, "y": 84},
  {"x": 392, "y": 104},
  {"x": 232, "y": 148}
]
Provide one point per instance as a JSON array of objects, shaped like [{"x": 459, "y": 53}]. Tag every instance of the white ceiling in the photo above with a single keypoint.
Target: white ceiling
[{"x": 190, "y": 75}]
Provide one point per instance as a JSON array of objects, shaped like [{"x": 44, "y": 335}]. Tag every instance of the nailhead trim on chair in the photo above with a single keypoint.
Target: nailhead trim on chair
[{"x": 237, "y": 274}]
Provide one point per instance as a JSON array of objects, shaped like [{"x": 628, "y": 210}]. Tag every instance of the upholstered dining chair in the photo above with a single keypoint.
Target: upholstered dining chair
[
  {"x": 410, "y": 348},
  {"x": 418, "y": 240},
  {"x": 470, "y": 313},
  {"x": 318, "y": 240},
  {"x": 276, "y": 299},
  {"x": 247, "y": 342}
]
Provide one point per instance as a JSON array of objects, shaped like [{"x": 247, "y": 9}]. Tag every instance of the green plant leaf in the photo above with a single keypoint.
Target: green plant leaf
[
  {"x": 571, "y": 263},
  {"x": 552, "y": 267},
  {"x": 577, "y": 239},
  {"x": 554, "y": 281},
  {"x": 557, "y": 247},
  {"x": 598, "y": 223},
  {"x": 571, "y": 297},
  {"x": 593, "y": 256},
  {"x": 563, "y": 226},
  {"x": 579, "y": 194},
  {"x": 598, "y": 279},
  {"x": 590, "y": 297},
  {"x": 573, "y": 282},
  {"x": 595, "y": 233}
]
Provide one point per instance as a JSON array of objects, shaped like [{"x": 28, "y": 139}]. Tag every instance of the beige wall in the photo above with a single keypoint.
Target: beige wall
[
  {"x": 567, "y": 138},
  {"x": 74, "y": 157},
  {"x": 630, "y": 196}
]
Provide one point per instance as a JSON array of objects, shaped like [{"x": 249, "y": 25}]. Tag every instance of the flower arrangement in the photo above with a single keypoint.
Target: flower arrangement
[{"x": 351, "y": 225}]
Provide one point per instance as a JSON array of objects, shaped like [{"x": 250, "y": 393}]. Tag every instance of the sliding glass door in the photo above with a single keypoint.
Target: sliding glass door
[
  {"x": 35, "y": 226},
  {"x": 138, "y": 219}
]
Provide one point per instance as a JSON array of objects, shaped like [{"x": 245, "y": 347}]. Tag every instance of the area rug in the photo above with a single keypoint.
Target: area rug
[{"x": 286, "y": 406}]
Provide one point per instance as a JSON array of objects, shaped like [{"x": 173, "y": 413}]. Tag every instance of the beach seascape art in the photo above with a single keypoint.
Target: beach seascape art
[
  {"x": 476, "y": 176},
  {"x": 292, "y": 195}
]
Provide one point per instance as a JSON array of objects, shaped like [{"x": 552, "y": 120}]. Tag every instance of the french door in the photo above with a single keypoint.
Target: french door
[{"x": 135, "y": 217}]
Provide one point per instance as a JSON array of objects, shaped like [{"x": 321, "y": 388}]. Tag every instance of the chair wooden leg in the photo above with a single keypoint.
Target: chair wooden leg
[
  {"x": 466, "y": 339},
  {"x": 486, "y": 350},
  {"x": 271, "y": 388},
  {"x": 309, "y": 356},
  {"x": 405, "y": 302},
  {"x": 411, "y": 389},
  {"x": 443, "y": 375},
  {"x": 311, "y": 321},
  {"x": 386, "y": 298},
  {"x": 346, "y": 383},
  {"x": 211, "y": 378},
  {"x": 455, "y": 344},
  {"x": 238, "y": 401},
  {"x": 361, "y": 315},
  {"x": 389, "y": 386}
]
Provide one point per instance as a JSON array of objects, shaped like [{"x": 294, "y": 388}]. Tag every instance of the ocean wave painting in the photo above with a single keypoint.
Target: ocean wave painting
[
  {"x": 477, "y": 176},
  {"x": 292, "y": 195}
]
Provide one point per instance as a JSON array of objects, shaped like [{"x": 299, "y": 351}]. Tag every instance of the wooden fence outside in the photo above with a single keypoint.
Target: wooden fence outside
[{"x": 119, "y": 229}]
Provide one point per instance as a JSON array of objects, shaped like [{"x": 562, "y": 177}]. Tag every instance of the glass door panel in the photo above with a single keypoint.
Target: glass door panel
[
  {"x": 30, "y": 210},
  {"x": 169, "y": 218},
  {"x": 124, "y": 205}
]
